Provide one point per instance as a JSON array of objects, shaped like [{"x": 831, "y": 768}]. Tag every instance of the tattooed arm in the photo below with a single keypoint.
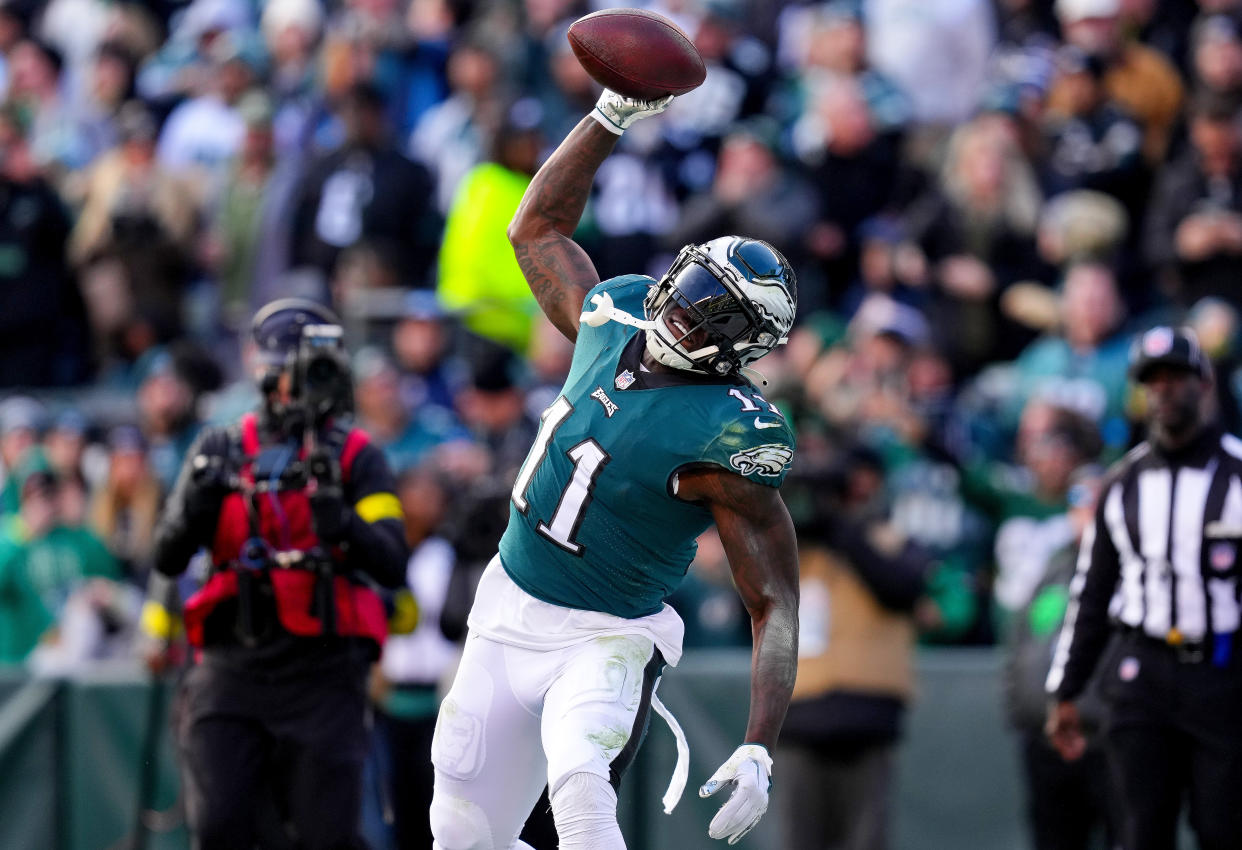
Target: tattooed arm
[
  {"x": 758, "y": 538},
  {"x": 559, "y": 272}
]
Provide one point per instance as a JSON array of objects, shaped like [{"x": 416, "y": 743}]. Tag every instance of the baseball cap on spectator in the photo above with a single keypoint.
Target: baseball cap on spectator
[
  {"x": 1071, "y": 11},
  {"x": 279, "y": 15},
  {"x": 71, "y": 421},
  {"x": 203, "y": 17},
  {"x": 370, "y": 362},
  {"x": 882, "y": 315},
  {"x": 1175, "y": 348},
  {"x": 126, "y": 438},
  {"x": 22, "y": 413},
  {"x": 422, "y": 304},
  {"x": 882, "y": 228},
  {"x": 495, "y": 371},
  {"x": 1214, "y": 28}
]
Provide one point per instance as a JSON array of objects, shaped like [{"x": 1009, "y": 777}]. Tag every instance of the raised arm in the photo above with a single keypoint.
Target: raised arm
[{"x": 558, "y": 271}]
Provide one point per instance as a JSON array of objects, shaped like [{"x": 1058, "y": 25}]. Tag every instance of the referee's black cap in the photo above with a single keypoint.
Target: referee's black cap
[{"x": 1177, "y": 348}]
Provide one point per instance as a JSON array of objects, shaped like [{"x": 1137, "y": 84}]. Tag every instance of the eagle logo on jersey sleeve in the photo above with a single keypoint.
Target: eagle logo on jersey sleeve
[{"x": 768, "y": 460}]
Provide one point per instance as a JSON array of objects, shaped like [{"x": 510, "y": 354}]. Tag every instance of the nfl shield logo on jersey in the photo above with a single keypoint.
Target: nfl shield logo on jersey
[{"x": 624, "y": 379}]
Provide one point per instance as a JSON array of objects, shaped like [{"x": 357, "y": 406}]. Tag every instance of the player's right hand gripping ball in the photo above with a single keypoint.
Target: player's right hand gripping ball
[
  {"x": 749, "y": 772},
  {"x": 617, "y": 112}
]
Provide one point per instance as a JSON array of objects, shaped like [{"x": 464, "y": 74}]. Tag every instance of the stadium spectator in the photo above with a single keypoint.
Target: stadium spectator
[
  {"x": 407, "y": 435},
  {"x": 414, "y": 662},
  {"x": 126, "y": 506},
  {"x": 43, "y": 559},
  {"x": 937, "y": 53},
  {"x": 110, "y": 86},
  {"x": 431, "y": 373},
  {"x": 366, "y": 197},
  {"x": 754, "y": 192},
  {"x": 166, "y": 401},
  {"x": 42, "y": 320},
  {"x": 1066, "y": 802},
  {"x": 855, "y": 172},
  {"x": 132, "y": 244},
  {"x": 1027, "y": 504},
  {"x": 1194, "y": 230},
  {"x": 291, "y": 30},
  {"x": 1216, "y": 58},
  {"x": 204, "y": 132},
  {"x": 860, "y": 581},
  {"x": 60, "y": 139},
  {"x": 1081, "y": 362},
  {"x": 65, "y": 441},
  {"x": 1093, "y": 144},
  {"x": 1137, "y": 78},
  {"x": 22, "y": 420},
  {"x": 455, "y": 135},
  {"x": 182, "y": 67},
  {"x": 1218, "y": 328},
  {"x": 976, "y": 230},
  {"x": 479, "y": 279},
  {"x": 247, "y": 227},
  {"x": 831, "y": 38},
  {"x": 493, "y": 408}
]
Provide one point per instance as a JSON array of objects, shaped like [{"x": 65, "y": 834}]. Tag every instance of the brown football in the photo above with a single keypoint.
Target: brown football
[{"x": 636, "y": 53}]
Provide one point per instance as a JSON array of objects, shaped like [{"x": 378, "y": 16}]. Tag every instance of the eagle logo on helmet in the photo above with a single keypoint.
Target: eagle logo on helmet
[{"x": 768, "y": 460}]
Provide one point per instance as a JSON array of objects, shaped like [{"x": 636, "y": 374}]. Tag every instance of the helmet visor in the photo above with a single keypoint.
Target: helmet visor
[{"x": 716, "y": 315}]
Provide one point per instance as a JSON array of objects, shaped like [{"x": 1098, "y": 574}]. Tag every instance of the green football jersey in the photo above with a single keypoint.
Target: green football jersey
[{"x": 593, "y": 522}]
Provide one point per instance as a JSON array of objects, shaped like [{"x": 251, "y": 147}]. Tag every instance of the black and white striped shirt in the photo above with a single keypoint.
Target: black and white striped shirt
[{"x": 1160, "y": 556}]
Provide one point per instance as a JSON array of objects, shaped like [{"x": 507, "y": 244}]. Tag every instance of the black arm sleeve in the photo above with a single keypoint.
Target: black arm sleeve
[
  {"x": 377, "y": 548},
  {"x": 1086, "y": 628},
  {"x": 897, "y": 581},
  {"x": 177, "y": 535}
]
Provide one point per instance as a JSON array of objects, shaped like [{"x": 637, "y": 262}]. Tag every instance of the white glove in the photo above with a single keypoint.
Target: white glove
[
  {"x": 617, "y": 112},
  {"x": 749, "y": 771}
]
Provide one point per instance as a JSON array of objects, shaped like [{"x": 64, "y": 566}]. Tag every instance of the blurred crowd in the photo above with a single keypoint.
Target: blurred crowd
[{"x": 984, "y": 200}]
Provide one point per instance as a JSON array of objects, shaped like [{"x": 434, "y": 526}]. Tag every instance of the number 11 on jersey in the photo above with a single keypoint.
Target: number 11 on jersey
[{"x": 589, "y": 459}]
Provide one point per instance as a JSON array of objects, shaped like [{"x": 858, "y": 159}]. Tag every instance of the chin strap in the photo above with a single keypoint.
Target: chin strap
[{"x": 605, "y": 311}]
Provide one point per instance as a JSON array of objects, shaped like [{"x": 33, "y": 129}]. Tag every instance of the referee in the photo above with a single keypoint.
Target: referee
[{"x": 1158, "y": 574}]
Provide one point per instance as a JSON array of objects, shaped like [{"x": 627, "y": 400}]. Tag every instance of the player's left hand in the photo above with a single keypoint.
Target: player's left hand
[{"x": 749, "y": 772}]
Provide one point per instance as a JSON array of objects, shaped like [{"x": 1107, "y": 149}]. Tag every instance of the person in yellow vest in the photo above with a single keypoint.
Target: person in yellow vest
[
  {"x": 479, "y": 276},
  {"x": 860, "y": 586}
]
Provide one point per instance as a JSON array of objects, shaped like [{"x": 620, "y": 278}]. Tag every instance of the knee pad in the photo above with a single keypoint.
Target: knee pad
[
  {"x": 585, "y": 810},
  {"x": 458, "y": 824}
]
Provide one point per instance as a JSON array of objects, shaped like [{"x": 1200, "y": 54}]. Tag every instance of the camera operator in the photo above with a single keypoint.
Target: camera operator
[
  {"x": 299, "y": 514},
  {"x": 861, "y": 583}
]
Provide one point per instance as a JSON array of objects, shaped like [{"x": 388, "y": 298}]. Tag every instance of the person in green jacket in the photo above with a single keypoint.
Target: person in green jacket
[{"x": 42, "y": 561}]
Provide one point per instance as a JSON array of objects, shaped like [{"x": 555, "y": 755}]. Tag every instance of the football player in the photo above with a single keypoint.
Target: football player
[{"x": 657, "y": 434}]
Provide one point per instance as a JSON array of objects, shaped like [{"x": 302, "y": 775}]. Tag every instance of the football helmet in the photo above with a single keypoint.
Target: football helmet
[{"x": 721, "y": 306}]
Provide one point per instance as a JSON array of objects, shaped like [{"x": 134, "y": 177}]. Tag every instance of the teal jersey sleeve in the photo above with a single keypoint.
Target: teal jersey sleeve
[{"x": 756, "y": 443}]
